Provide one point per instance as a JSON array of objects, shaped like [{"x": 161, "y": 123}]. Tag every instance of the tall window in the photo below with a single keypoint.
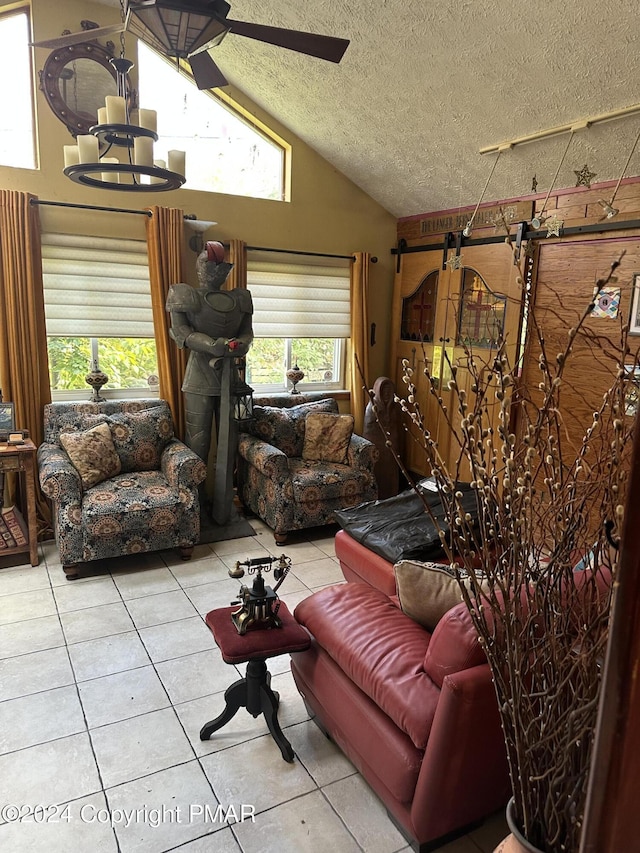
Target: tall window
[
  {"x": 17, "y": 138},
  {"x": 301, "y": 316},
  {"x": 98, "y": 314},
  {"x": 225, "y": 152}
]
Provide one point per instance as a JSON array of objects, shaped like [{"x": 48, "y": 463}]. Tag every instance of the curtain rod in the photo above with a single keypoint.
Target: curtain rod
[
  {"x": 90, "y": 207},
  {"x": 310, "y": 254}
]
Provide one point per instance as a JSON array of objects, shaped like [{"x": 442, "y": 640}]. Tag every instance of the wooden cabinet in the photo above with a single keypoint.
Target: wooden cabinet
[
  {"x": 20, "y": 459},
  {"x": 438, "y": 314}
]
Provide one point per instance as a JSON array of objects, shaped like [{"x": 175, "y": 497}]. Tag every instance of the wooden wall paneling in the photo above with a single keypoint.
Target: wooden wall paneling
[{"x": 566, "y": 275}]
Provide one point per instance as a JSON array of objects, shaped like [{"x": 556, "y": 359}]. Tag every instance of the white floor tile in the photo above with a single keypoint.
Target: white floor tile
[
  {"x": 364, "y": 814},
  {"x": 176, "y": 639},
  {"x": 22, "y": 579},
  {"x": 319, "y": 572},
  {"x": 49, "y": 773},
  {"x": 240, "y": 728},
  {"x": 76, "y": 826},
  {"x": 95, "y": 622},
  {"x": 322, "y": 758},
  {"x": 91, "y": 593},
  {"x": 222, "y": 842},
  {"x": 140, "y": 746},
  {"x": 26, "y": 605},
  {"x": 176, "y": 800},
  {"x": 118, "y": 697},
  {"x": 32, "y": 673},
  {"x": 33, "y": 635},
  {"x": 40, "y": 717},
  {"x": 197, "y": 572},
  {"x": 307, "y": 824},
  {"x": 95, "y": 658},
  {"x": 232, "y": 772},
  {"x": 161, "y": 608},
  {"x": 195, "y": 675},
  {"x": 138, "y": 583},
  {"x": 210, "y": 596}
]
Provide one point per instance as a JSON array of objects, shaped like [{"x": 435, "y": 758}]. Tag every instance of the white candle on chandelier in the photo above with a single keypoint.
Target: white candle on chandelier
[
  {"x": 148, "y": 119},
  {"x": 110, "y": 177},
  {"x": 102, "y": 115},
  {"x": 71, "y": 155},
  {"x": 116, "y": 111},
  {"x": 143, "y": 151},
  {"x": 177, "y": 161},
  {"x": 161, "y": 164},
  {"x": 88, "y": 148}
]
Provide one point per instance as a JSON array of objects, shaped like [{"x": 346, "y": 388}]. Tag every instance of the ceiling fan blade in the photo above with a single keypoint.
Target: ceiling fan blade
[
  {"x": 80, "y": 37},
  {"x": 324, "y": 47},
  {"x": 205, "y": 72}
]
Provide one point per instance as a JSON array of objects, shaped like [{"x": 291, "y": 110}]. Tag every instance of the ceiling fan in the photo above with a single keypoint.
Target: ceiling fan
[{"x": 187, "y": 29}]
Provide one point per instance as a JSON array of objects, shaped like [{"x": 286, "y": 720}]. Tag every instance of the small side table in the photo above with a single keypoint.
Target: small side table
[
  {"x": 20, "y": 459},
  {"x": 254, "y": 691}
]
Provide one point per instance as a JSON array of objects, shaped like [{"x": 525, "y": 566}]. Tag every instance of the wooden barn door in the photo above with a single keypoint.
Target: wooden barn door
[{"x": 442, "y": 311}]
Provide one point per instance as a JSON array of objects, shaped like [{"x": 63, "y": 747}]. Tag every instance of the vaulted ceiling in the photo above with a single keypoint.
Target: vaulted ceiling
[{"x": 424, "y": 86}]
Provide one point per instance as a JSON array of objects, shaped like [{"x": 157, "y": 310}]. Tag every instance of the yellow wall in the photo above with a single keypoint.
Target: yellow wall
[{"x": 327, "y": 212}]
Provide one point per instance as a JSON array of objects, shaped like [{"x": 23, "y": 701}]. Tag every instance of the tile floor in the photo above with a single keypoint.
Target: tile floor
[{"x": 105, "y": 683}]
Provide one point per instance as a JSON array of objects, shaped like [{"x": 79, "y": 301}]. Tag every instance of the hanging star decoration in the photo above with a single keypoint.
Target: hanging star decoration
[
  {"x": 584, "y": 176},
  {"x": 534, "y": 183},
  {"x": 553, "y": 225},
  {"x": 454, "y": 262}
]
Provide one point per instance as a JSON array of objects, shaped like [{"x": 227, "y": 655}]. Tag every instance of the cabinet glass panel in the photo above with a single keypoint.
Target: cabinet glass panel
[
  {"x": 419, "y": 311},
  {"x": 482, "y": 312}
]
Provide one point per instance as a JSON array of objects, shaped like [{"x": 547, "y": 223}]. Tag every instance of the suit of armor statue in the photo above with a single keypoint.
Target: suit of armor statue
[{"x": 216, "y": 326}]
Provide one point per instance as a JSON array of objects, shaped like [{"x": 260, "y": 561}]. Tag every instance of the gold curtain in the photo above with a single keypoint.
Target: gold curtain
[
  {"x": 359, "y": 332},
  {"x": 24, "y": 367},
  {"x": 165, "y": 247},
  {"x": 237, "y": 257}
]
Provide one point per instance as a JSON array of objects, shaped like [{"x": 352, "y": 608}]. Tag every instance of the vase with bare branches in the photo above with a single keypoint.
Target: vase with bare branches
[{"x": 549, "y": 514}]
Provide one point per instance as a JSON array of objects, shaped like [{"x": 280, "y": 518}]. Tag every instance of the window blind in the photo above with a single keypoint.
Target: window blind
[
  {"x": 96, "y": 287},
  {"x": 294, "y": 298}
]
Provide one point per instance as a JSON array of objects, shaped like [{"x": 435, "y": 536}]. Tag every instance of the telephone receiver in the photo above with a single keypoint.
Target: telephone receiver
[{"x": 259, "y": 604}]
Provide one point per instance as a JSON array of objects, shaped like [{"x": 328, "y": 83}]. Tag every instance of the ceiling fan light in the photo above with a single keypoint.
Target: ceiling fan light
[{"x": 173, "y": 29}]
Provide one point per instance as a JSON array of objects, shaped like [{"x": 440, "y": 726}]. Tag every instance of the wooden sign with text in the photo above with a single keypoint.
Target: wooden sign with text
[{"x": 440, "y": 223}]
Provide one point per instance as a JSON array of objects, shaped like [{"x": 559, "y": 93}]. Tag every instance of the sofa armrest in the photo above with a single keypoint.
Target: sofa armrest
[
  {"x": 454, "y": 645},
  {"x": 465, "y": 762},
  {"x": 59, "y": 480},
  {"x": 181, "y": 466},
  {"x": 264, "y": 457},
  {"x": 362, "y": 453}
]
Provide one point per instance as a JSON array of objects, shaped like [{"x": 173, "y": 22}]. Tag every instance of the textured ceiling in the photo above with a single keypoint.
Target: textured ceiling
[{"x": 423, "y": 86}]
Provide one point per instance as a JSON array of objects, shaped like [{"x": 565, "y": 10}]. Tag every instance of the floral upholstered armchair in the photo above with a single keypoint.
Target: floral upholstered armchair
[
  {"x": 298, "y": 465},
  {"x": 119, "y": 481}
]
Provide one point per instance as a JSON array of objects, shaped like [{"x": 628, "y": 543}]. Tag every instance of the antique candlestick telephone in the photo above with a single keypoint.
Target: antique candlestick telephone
[{"x": 260, "y": 604}]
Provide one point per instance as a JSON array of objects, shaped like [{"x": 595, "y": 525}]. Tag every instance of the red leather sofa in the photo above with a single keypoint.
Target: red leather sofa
[{"x": 415, "y": 712}]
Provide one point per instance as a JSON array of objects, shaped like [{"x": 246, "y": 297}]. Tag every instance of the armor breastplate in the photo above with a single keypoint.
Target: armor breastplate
[{"x": 220, "y": 315}]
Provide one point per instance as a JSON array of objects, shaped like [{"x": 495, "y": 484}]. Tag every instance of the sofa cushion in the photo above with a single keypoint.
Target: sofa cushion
[
  {"x": 379, "y": 648},
  {"x": 140, "y": 437},
  {"x": 426, "y": 590},
  {"x": 92, "y": 453},
  {"x": 284, "y": 428},
  {"x": 327, "y": 437},
  {"x": 325, "y": 482}
]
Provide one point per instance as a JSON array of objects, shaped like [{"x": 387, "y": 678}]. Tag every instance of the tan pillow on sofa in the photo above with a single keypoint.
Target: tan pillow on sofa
[
  {"x": 92, "y": 454},
  {"x": 327, "y": 437},
  {"x": 426, "y": 591}
]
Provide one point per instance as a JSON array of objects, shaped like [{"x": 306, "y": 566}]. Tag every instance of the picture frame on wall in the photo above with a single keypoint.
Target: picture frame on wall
[
  {"x": 7, "y": 424},
  {"x": 634, "y": 317},
  {"x": 632, "y": 389}
]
